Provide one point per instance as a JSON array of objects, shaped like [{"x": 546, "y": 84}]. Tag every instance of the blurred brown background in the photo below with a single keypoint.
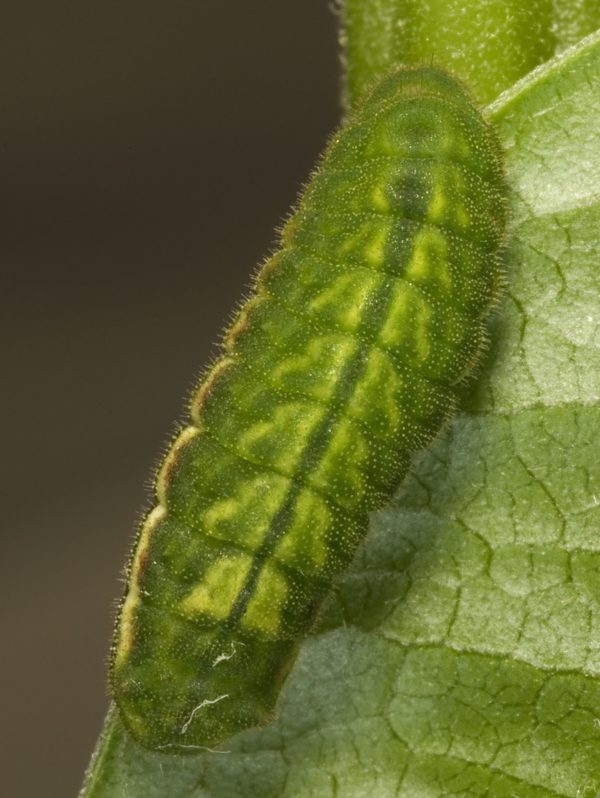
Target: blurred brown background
[{"x": 147, "y": 152}]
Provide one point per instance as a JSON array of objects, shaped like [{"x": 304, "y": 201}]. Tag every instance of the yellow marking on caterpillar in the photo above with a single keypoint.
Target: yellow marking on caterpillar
[
  {"x": 422, "y": 334},
  {"x": 164, "y": 475},
  {"x": 438, "y": 204},
  {"x": 346, "y": 453},
  {"x": 348, "y": 297},
  {"x": 306, "y": 542},
  {"x": 263, "y": 613},
  {"x": 379, "y": 199},
  {"x": 380, "y": 379},
  {"x": 394, "y": 327},
  {"x": 219, "y": 588},
  {"x": 364, "y": 236},
  {"x": 326, "y": 353},
  {"x": 376, "y": 249},
  {"x": 245, "y": 517},
  {"x": 351, "y": 243},
  {"x": 429, "y": 258},
  {"x": 132, "y": 599},
  {"x": 409, "y": 317},
  {"x": 446, "y": 205},
  {"x": 270, "y": 440}
]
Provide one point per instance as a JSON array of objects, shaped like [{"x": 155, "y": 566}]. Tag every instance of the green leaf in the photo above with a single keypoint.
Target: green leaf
[
  {"x": 461, "y": 654},
  {"x": 488, "y": 43},
  {"x": 574, "y": 19}
]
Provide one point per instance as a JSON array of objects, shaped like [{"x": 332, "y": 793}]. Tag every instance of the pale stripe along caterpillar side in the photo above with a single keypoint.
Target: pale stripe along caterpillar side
[{"x": 341, "y": 365}]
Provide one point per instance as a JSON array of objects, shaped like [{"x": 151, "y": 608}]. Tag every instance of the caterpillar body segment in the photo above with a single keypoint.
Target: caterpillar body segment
[{"x": 334, "y": 373}]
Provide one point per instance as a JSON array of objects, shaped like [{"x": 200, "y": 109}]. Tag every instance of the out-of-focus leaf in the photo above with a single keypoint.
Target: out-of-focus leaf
[{"x": 488, "y": 43}]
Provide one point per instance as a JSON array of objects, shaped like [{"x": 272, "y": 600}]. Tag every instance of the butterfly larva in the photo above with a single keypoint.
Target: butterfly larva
[{"x": 341, "y": 365}]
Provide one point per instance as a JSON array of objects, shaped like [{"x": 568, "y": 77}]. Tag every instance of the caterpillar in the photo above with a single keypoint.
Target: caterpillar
[{"x": 343, "y": 363}]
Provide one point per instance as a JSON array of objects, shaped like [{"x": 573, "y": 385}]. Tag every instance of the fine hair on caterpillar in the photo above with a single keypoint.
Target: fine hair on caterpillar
[{"x": 344, "y": 362}]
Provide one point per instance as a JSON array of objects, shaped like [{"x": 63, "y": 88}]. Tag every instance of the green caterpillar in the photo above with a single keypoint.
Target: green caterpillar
[{"x": 342, "y": 364}]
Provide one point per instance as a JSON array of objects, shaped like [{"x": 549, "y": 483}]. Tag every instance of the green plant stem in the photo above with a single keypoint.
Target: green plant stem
[{"x": 488, "y": 43}]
